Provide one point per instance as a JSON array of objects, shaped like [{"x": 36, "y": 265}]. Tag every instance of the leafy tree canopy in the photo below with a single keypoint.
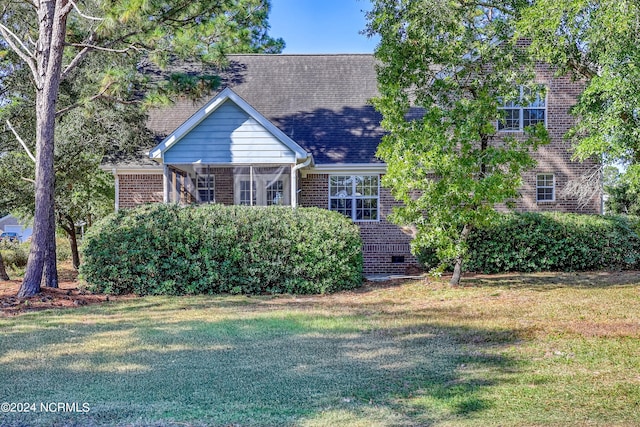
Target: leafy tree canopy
[
  {"x": 596, "y": 42},
  {"x": 446, "y": 68}
]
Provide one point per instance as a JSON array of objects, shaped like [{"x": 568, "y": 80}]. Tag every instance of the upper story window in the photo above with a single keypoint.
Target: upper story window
[
  {"x": 356, "y": 196},
  {"x": 529, "y": 109}
]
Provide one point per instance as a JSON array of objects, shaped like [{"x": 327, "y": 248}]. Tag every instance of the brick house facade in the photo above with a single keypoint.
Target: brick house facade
[{"x": 299, "y": 130}]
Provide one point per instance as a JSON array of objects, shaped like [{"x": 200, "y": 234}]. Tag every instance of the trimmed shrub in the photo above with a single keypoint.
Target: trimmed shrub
[
  {"x": 554, "y": 242},
  {"x": 14, "y": 254},
  {"x": 168, "y": 249}
]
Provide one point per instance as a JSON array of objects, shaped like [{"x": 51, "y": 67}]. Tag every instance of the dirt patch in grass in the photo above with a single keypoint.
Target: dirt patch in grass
[{"x": 69, "y": 294}]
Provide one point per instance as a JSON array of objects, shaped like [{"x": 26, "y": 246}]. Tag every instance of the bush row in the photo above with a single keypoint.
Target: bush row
[
  {"x": 552, "y": 242},
  {"x": 167, "y": 249}
]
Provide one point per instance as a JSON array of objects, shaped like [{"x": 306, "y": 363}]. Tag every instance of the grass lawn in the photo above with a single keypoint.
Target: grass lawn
[{"x": 513, "y": 350}]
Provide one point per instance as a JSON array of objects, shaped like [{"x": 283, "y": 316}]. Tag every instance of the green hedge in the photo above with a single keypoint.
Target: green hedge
[
  {"x": 14, "y": 254},
  {"x": 167, "y": 249},
  {"x": 552, "y": 242}
]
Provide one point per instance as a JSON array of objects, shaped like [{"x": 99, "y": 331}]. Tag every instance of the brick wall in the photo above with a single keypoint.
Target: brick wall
[
  {"x": 137, "y": 189},
  {"x": 223, "y": 185},
  {"x": 381, "y": 239},
  {"x": 555, "y": 158}
]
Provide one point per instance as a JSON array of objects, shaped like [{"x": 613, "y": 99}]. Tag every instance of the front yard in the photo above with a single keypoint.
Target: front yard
[{"x": 512, "y": 350}]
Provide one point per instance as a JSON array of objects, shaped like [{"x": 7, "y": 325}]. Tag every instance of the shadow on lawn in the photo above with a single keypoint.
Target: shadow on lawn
[
  {"x": 544, "y": 281},
  {"x": 270, "y": 368}
]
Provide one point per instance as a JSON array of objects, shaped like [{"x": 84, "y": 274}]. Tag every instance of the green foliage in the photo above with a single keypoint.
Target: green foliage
[
  {"x": 623, "y": 191},
  {"x": 529, "y": 242},
  {"x": 167, "y": 249},
  {"x": 598, "y": 43},
  {"x": 446, "y": 67},
  {"x": 14, "y": 254}
]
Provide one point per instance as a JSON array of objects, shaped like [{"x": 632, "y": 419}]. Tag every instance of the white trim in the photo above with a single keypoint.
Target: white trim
[
  {"x": 553, "y": 188},
  {"x": 210, "y": 179},
  {"x": 117, "y": 189},
  {"x": 165, "y": 184},
  {"x": 260, "y": 188},
  {"x": 353, "y": 197},
  {"x": 347, "y": 169},
  {"x": 136, "y": 170},
  {"x": 518, "y": 106},
  {"x": 157, "y": 153}
]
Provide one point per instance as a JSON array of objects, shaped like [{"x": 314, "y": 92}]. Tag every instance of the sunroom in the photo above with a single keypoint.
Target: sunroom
[{"x": 228, "y": 153}]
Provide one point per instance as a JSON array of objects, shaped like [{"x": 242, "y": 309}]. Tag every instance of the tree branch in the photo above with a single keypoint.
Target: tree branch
[
  {"x": 21, "y": 50},
  {"x": 77, "y": 104},
  {"x": 28, "y": 180},
  {"x": 21, "y": 142},
  {"x": 74, "y": 62},
  {"x": 82, "y": 14},
  {"x": 103, "y": 49}
]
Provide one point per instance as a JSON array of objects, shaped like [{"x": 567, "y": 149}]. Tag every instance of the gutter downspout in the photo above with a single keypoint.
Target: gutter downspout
[{"x": 294, "y": 180}]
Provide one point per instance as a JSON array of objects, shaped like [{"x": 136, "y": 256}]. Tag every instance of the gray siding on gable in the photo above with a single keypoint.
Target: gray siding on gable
[{"x": 229, "y": 135}]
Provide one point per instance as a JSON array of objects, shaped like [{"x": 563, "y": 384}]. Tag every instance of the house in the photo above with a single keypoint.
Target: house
[
  {"x": 299, "y": 130},
  {"x": 11, "y": 224}
]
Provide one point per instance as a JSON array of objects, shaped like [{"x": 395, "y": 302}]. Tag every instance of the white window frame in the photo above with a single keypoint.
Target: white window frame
[
  {"x": 517, "y": 106},
  {"x": 258, "y": 187},
  {"x": 211, "y": 179},
  {"x": 546, "y": 187},
  {"x": 354, "y": 197}
]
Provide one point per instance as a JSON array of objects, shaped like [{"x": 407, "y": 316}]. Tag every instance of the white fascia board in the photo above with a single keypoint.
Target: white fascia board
[
  {"x": 138, "y": 170},
  {"x": 346, "y": 168},
  {"x": 226, "y": 94}
]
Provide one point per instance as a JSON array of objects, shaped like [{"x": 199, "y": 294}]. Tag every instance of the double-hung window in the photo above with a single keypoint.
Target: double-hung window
[
  {"x": 545, "y": 187},
  {"x": 529, "y": 109},
  {"x": 356, "y": 196},
  {"x": 205, "y": 185}
]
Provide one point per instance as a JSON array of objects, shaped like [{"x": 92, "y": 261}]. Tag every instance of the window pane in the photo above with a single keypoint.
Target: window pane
[
  {"x": 367, "y": 209},
  {"x": 340, "y": 186},
  {"x": 511, "y": 119},
  {"x": 245, "y": 191},
  {"x": 532, "y": 116},
  {"x": 545, "y": 180},
  {"x": 342, "y": 205},
  {"x": 275, "y": 193},
  {"x": 545, "y": 194},
  {"x": 205, "y": 184},
  {"x": 367, "y": 186}
]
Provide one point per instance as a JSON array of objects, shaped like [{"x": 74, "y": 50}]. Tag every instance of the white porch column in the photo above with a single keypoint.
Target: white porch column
[
  {"x": 117, "y": 188},
  {"x": 165, "y": 183},
  {"x": 294, "y": 186}
]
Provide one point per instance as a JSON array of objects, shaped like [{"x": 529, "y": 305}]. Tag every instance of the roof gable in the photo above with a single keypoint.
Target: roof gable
[
  {"x": 319, "y": 101},
  {"x": 181, "y": 147}
]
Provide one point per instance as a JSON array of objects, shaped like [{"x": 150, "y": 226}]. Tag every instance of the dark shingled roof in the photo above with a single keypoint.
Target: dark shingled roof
[{"x": 319, "y": 101}]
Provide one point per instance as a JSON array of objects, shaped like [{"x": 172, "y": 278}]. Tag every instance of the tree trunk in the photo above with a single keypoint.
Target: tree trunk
[
  {"x": 457, "y": 269},
  {"x": 69, "y": 226},
  {"x": 3, "y": 271},
  {"x": 52, "y": 17}
]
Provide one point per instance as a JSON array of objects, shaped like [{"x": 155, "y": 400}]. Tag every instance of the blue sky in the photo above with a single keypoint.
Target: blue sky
[{"x": 321, "y": 26}]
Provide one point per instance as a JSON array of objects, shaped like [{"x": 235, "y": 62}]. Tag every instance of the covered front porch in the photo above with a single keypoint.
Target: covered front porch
[
  {"x": 229, "y": 153},
  {"x": 249, "y": 185}
]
